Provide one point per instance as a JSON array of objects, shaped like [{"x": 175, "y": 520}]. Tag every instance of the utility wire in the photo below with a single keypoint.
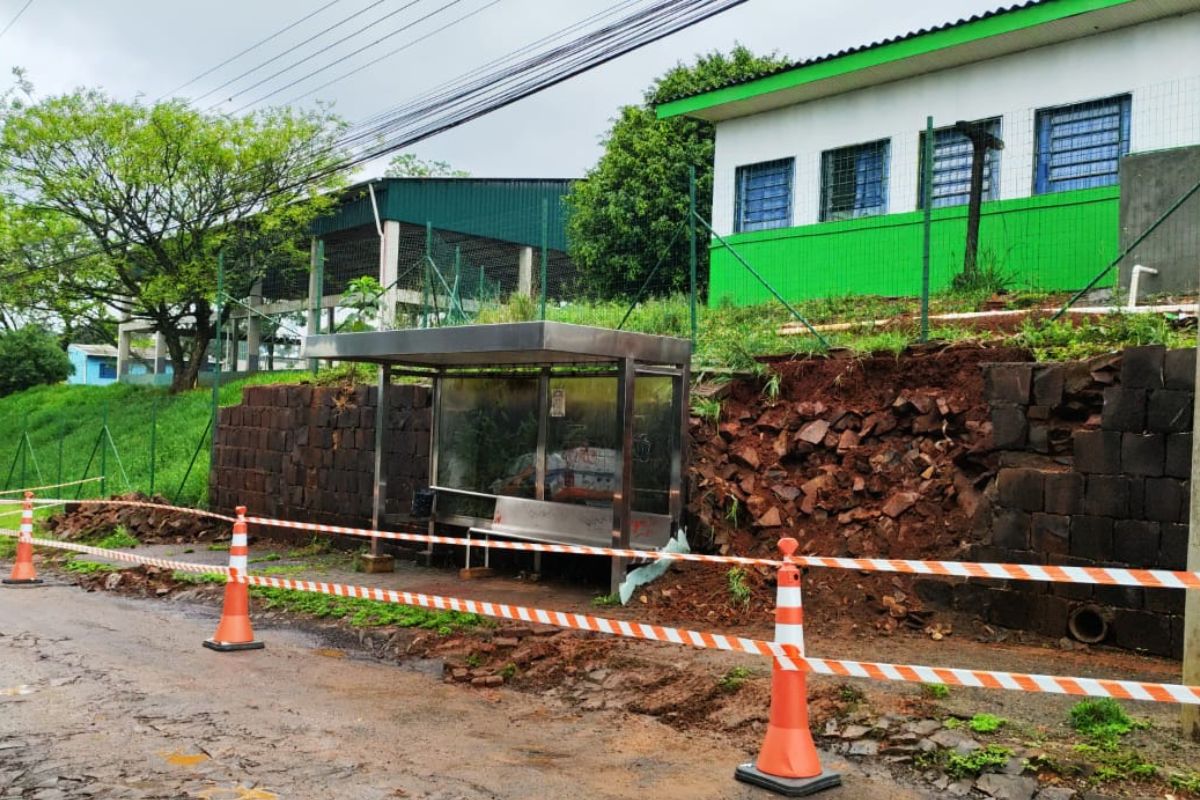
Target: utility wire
[
  {"x": 378, "y": 59},
  {"x": 353, "y": 53},
  {"x": 13, "y": 21},
  {"x": 297, "y": 46},
  {"x": 254, "y": 46}
]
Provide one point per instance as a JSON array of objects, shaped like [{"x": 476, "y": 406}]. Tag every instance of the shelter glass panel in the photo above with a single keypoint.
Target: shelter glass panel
[{"x": 487, "y": 441}]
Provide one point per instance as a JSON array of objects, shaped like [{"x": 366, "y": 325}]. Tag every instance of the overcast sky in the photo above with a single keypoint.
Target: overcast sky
[{"x": 150, "y": 47}]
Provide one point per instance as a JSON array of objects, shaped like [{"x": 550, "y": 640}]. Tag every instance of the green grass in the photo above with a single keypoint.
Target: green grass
[
  {"x": 74, "y": 415},
  {"x": 1113, "y": 765},
  {"x": 986, "y": 723},
  {"x": 8, "y": 546},
  {"x": 935, "y": 691},
  {"x": 1102, "y": 721},
  {"x": 218, "y": 547},
  {"x": 734, "y": 679},
  {"x": 120, "y": 539},
  {"x": 1068, "y": 340},
  {"x": 81, "y": 566},
  {"x": 362, "y": 613},
  {"x": 264, "y": 558},
  {"x": 986, "y": 759},
  {"x": 606, "y": 600},
  {"x": 739, "y": 590}
]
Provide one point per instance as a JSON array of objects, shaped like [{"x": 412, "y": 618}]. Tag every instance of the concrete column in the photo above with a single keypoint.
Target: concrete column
[
  {"x": 231, "y": 346},
  {"x": 525, "y": 272},
  {"x": 124, "y": 349},
  {"x": 1191, "y": 609},
  {"x": 389, "y": 271},
  {"x": 316, "y": 280},
  {"x": 160, "y": 354},
  {"x": 253, "y": 328}
]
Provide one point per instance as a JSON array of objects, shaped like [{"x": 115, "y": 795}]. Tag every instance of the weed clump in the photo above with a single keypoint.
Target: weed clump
[
  {"x": 992, "y": 757},
  {"x": 734, "y": 679},
  {"x": 986, "y": 723},
  {"x": 739, "y": 590},
  {"x": 1103, "y": 721},
  {"x": 362, "y": 613}
]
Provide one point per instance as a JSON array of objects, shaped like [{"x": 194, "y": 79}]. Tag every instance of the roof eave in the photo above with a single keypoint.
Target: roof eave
[{"x": 971, "y": 41}]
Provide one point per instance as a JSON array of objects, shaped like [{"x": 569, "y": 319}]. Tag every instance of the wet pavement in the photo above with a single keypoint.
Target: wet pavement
[{"x": 107, "y": 697}]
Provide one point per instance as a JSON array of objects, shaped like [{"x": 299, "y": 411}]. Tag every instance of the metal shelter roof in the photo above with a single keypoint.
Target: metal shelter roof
[
  {"x": 507, "y": 209},
  {"x": 510, "y": 344}
]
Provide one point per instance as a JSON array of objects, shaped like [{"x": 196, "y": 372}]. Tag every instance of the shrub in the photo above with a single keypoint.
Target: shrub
[
  {"x": 30, "y": 357},
  {"x": 1102, "y": 720}
]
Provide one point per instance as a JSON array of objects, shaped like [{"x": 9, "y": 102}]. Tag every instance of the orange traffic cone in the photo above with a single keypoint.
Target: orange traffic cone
[
  {"x": 234, "y": 631},
  {"x": 23, "y": 571},
  {"x": 788, "y": 763}
]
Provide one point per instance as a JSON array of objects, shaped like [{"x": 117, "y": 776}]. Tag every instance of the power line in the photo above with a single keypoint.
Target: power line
[
  {"x": 254, "y": 46},
  {"x": 375, "y": 61},
  {"x": 351, "y": 54},
  {"x": 496, "y": 62},
  {"x": 13, "y": 21},
  {"x": 297, "y": 46}
]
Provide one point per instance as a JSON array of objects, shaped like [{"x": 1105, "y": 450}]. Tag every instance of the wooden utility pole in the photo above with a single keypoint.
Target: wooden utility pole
[
  {"x": 1191, "y": 609},
  {"x": 981, "y": 142}
]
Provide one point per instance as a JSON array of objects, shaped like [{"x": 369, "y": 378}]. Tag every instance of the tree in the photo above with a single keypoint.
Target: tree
[
  {"x": 30, "y": 357},
  {"x": 632, "y": 207},
  {"x": 125, "y": 206},
  {"x": 407, "y": 165}
]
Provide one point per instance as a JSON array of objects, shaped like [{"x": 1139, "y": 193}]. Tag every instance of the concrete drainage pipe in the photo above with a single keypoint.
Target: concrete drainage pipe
[{"x": 1089, "y": 623}]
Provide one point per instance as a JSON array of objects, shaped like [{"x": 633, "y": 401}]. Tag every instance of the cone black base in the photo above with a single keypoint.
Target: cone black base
[
  {"x": 788, "y": 787},
  {"x": 27, "y": 582},
  {"x": 228, "y": 647}
]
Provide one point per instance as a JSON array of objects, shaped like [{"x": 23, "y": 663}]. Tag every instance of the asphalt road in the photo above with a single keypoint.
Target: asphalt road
[{"x": 106, "y": 697}]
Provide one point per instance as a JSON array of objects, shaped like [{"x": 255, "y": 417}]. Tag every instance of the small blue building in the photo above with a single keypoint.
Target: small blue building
[{"x": 96, "y": 364}]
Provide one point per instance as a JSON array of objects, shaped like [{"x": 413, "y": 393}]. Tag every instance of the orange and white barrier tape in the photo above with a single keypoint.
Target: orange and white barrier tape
[
  {"x": 48, "y": 486},
  {"x": 1107, "y": 576},
  {"x": 788, "y": 656},
  {"x": 1047, "y": 573},
  {"x": 119, "y": 555},
  {"x": 196, "y": 512}
]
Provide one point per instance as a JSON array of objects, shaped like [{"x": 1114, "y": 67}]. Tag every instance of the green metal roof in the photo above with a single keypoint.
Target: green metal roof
[
  {"x": 1008, "y": 30},
  {"x": 507, "y": 209}
]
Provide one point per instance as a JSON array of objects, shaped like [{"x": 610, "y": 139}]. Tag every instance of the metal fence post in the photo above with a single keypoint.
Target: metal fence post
[
  {"x": 1190, "y": 715},
  {"x": 545, "y": 236},
  {"x": 317, "y": 298},
  {"x": 216, "y": 384},
  {"x": 692, "y": 258},
  {"x": 927, "y": 197},
  {"x": 153, "y": 441},
  {"x": 103, "y": 452}
]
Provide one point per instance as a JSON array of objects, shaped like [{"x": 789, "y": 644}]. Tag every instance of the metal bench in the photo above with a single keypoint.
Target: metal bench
[{"x": 565, "y": 523}]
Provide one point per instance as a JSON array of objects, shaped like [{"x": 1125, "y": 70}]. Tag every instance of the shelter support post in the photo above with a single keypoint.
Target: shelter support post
[
  {"x": 376, "y": 561},
  {"x": 1191, "y": 608},
  {"x": 680, "y": 410},
  {"x": 160, "y": 354},
  {"x": 622, "y": 506},
  {"x": 316, "y": 291}
]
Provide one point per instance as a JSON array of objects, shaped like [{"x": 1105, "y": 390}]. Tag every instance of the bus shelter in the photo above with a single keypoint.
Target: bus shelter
[{"x": 542, "y": 431}]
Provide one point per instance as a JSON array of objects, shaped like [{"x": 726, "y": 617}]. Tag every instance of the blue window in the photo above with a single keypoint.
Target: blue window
[
  {"x": 854, "y": 181},
  {"x": 1079, "y": 146},
  {"x": 764, "y": 196},
  {"x": 108, "y": 370},
  {"x": 952, "y": 154}
]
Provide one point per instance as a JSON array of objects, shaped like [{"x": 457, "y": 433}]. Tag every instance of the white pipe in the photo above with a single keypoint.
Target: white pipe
[{"x": 1134, "y": 277}]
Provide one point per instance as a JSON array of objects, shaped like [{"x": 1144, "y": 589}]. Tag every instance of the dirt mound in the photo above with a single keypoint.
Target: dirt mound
[
  {"x": 149, "y": 525},
  {"x": 865, "y": 457}
]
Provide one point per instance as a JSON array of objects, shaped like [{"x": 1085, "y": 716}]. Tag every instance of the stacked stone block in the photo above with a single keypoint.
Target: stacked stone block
[
  {"x": 1113, "y": 491},
  {"x": 308, "y": 452}
]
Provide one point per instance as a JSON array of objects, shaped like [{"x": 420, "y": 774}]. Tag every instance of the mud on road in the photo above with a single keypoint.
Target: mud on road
[{"x": 109, "y": 697}]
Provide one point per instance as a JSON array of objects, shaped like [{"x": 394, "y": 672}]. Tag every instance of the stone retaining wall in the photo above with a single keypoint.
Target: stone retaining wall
[
  {"x": 1094, "y": 471},
  {"x": 308, "y": 452}
]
